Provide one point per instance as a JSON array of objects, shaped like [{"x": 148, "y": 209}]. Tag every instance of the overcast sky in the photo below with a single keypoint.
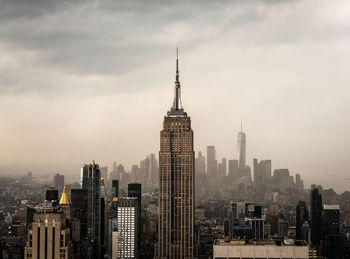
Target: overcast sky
[{"x": 92, "y": 80}]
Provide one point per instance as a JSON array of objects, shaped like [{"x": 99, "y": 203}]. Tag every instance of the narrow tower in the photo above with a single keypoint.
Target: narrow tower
[
  {"x": 241, "y": 149},
  {"x": 176, "y": 182}
]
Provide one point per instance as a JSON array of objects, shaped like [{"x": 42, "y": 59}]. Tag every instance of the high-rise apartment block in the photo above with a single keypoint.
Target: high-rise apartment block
[{"x": 176, "y": 188}]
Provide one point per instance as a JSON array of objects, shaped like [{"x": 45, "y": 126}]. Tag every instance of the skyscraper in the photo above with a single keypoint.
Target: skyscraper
[
  {"x": 212, "y": 163},
  {"x": 316, "y": 216},
  {"x": 176, "y": 188},
  {"x": 241, "y": 149},
  {"x": 91, "y": 181},
  {"x": 302, "y": 218},
  {"x": 115, "y": 188},
  {"x": 58, "y": 180},
  {"x": 200, "y": 164},
  {"x": 134, "y": 190},
  {"x": 127, "y": 223}
]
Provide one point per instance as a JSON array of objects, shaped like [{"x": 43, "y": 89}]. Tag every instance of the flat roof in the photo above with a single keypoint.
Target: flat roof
[{"x": 265, "y": 242}]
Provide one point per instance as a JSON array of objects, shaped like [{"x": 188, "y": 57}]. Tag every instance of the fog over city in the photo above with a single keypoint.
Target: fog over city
[{"x": 93, "y": 80}]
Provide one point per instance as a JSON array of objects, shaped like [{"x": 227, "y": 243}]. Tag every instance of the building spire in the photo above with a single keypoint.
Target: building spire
[
  {"x": 241, "y": 126},
  {"x": 177, "y": 109},
  {"x": 64, "y": 198}
]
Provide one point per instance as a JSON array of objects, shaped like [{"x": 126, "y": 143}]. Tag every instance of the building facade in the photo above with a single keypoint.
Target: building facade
[
  {"x": 176, "y": 183},
  {"x": 49, "y": 236}
]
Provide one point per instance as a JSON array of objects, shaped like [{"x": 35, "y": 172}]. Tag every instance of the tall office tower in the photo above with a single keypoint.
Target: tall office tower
[
  {"x": 316, "y": 216},
  {"x": 241, "y": 149},
  {"x": 233, "y": 168},
  {"x": 58, "y": 180},
  {"x": 103, "y": 221},
  {"x": 49, "y": 236},
  {"x": 177, "y": 178},
  {"x": 333, "y": 241},
  {"x": 212, "y": 163},
  {"x": 222, "y": 168},
  {"x": 120, "y": 172},
  {"x": 113, "y": 230},
  {"x": 302, "y": 219},
  {"x": 200, "y": 164},
  {"x": 115, "y": 188},
  {"x": 299, "y": 184},
  {"x": 79, "y": 201},
  {"x": 91, "y": 181},
  {"x": 113, "y": 174},
  {"x": 331, "y": 219},
  {"x": 262, "y": 171},
  {"x": 134, "y": 190},
  {"x": 127, "y": 228},
  {"x": 153, "y": 171},
  {"x": 52, "y": 195}
]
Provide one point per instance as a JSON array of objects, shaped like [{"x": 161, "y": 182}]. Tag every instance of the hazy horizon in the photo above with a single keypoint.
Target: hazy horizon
[{"x": 91, "y": 80}]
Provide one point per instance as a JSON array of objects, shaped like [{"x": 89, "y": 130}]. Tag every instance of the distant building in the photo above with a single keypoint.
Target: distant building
[
  {"x": 262, "y": 171},
  {"x": 233, "y": 168},
  {"x": 302, "y": 221},
  {"x": 299, "y": 184},
  {"x": 316, "y": 217},
  {"x": 212, "y": 163},
  {"x": 29, "y": 176},
  {"x": 52, "y": 195},
  {"x": 49, "y": 236},
  {"x": 227, "y": 249},
  {"x": 222, "y": 168},
  {"x": 115, "y": 188},
  {"x": 58, "y": 180},
  {"x": 200, "y": 164},
  {"x": 282, "y": 179},
  {"x": 241, "y": 139}
]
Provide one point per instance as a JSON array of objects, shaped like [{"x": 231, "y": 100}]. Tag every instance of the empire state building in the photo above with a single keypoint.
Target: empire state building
[{"x": 176, "y": 183}]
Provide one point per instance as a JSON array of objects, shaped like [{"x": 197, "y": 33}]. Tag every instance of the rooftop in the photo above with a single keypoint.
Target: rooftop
[{"x": 268, "y": 242}]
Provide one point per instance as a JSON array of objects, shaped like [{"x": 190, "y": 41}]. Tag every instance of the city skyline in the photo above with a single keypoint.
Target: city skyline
[{"x": 54, "y": 104}]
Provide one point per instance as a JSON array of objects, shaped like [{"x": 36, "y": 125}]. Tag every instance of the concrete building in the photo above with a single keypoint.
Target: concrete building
[
  {"x": 49, "y": 236},
  {"x": 260, "y": 249}
]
